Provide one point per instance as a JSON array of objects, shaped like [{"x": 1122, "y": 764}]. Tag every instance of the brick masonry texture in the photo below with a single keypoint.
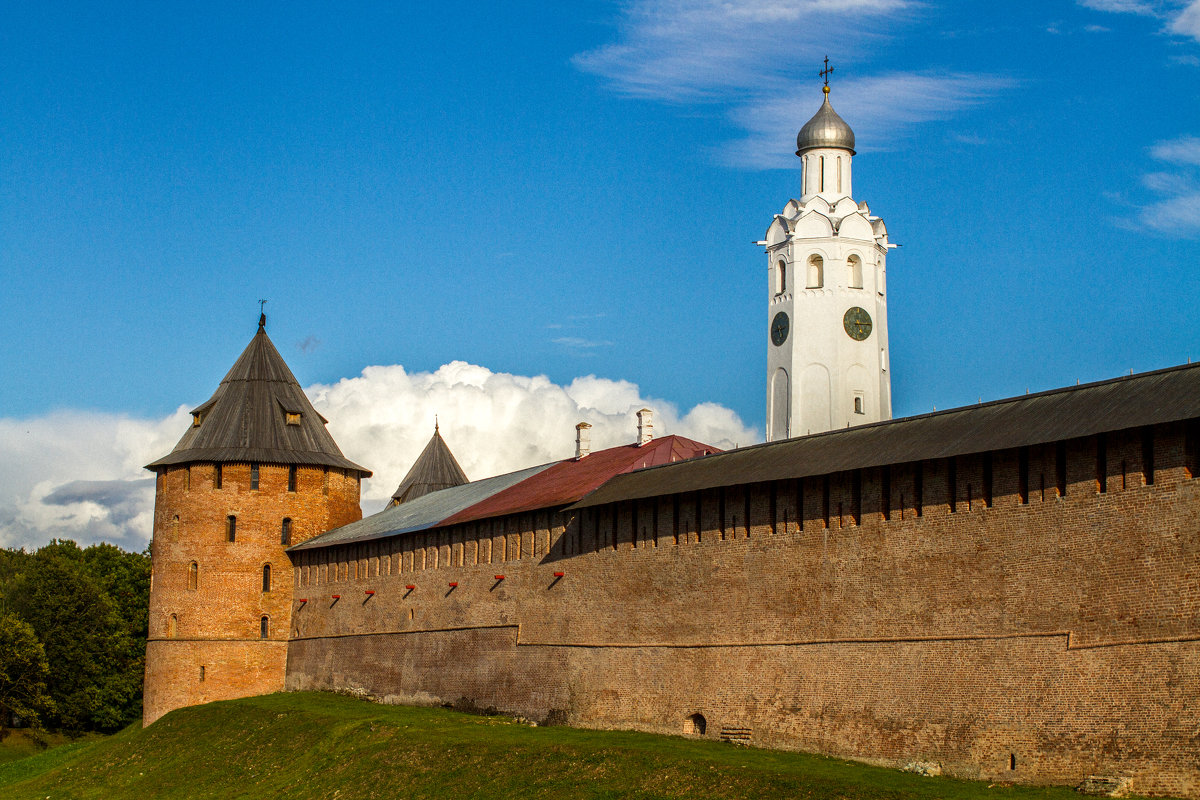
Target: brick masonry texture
[
  {"x": 1025, "y": 615},
  {"x": 210, "y": 615}
]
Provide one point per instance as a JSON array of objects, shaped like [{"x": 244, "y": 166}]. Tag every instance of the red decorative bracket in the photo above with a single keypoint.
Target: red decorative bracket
[
  {"x": 559, "y": 574},
  {"x": 336, "y": 597},
  {"x": 410, "y": 587},
  {"x": 453, "y": 584},
  {"x": 370, "y": 591},
  {"x": 499, "y": 577},
  {"x": 303, "y": 600}
]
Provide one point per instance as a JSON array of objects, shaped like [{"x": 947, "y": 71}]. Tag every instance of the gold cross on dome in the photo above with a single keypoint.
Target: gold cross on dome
[{"x": 825, "y": 73}]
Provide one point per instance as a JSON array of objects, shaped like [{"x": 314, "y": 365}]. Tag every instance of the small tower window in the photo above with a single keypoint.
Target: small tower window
[
  {"x": 858, "y": 403},
  {"x": 264, "y": 627},
  {"x": 285, "y": 532},
  {"x": 293, "y": 417},
  {"x": 839, "y": 174},
  {"x": 231, "y": 528},
  {"x": 781, "y": 277},
  {"x": 172, "y": 626},
  {"x": 822, "y": 178},
  {"x": 855, "y": 269},
  {"x": 266, "y": 577},
  {"x": 254, "y": 477},
  {"x": 202, "y": 673},
  {"x": 196, "y": 417},
  {"x": 216, "y": 476},
  {"x": 193, "y": 575},
  {"x": 292, "y": 478},
  {"x": 816, "y": 272}
]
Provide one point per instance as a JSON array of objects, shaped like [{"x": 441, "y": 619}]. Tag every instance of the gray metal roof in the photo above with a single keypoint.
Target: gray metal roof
[
  {"x": 246, "y": 418},
  {"x": 825, "y": 129},
  {"x": 1150, "y": 398},
  {"x": 421, "y": 514},
  {"x": 435, "y": 469}
]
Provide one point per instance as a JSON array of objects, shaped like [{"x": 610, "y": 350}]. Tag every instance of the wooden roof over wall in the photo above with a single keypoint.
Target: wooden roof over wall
[{"x": 1132, "y": 401}]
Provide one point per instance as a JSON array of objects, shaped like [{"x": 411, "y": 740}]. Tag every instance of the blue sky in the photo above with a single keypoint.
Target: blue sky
[{"x": 573, "y": 189}]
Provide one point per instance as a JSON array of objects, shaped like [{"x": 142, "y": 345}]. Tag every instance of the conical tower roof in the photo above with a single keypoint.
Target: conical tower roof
[
  {"x": 259, "y": 413},
  {"x": 436, "y": 468}
]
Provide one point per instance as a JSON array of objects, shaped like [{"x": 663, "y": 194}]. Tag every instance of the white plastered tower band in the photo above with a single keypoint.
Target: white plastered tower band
[{"x": 827, "y": 343}]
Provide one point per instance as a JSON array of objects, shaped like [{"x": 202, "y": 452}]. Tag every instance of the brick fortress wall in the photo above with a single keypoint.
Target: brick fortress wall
[
  {"x": 207, "y": 597},
  {"x": 998, "y": 613}
]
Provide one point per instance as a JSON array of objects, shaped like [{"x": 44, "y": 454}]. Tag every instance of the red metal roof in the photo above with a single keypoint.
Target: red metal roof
[{"x": 568, "y": 481}]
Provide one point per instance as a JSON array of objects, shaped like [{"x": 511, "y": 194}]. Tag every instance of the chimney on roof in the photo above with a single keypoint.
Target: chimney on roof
[
  {"x": 583, "y": 440},
  {"x": 645, "y": 426}
]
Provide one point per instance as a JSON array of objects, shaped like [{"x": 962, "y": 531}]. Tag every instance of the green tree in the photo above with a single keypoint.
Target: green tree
[
  {"x": 23, "y": 673},
  {"x": 87, "y": 644}
]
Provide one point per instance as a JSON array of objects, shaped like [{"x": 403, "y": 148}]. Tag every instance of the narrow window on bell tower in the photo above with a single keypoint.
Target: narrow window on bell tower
[
  {"x": 822, "y": 179},
  {"x": 254, "y": 477},
  {"x": 781, "y": 277}
]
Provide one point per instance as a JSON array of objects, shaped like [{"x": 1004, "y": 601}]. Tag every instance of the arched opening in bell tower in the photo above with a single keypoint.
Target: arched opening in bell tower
[
  {"x": 855, "y": 269},
  {"x": 816, "y": 272},
  {"x": 781, "y": 277}
]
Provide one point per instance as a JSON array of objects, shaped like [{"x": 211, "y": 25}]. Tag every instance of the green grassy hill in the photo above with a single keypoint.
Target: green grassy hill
[{"x": 325, "y": 746}]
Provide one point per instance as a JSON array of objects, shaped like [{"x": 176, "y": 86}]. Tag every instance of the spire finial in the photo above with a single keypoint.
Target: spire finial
[
  {"x": 825, "y": 73},
  {"x": 435, "y": 423},
  {"x": 262, "y": 315}
]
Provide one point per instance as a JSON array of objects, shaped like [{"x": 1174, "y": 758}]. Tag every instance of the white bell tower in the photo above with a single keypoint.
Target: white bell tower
[{"x": 827, "y": 342}]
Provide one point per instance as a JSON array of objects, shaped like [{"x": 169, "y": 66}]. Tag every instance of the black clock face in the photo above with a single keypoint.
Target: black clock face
[
  {"x": 857, "y": 323},
  {"x": 779, "y": 328}
]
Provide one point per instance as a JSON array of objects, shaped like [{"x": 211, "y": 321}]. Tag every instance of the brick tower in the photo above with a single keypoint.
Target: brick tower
[{"x": 256, "y": 472}]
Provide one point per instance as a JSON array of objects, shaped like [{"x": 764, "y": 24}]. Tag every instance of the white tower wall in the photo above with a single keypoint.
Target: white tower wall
[{"x": 826, "y": 256}]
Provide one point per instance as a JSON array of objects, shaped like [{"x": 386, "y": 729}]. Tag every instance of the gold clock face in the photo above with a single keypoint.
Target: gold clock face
[{"x": 857, "y": 323}]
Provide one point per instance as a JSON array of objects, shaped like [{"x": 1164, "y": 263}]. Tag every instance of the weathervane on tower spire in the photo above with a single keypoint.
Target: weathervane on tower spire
[
  {"x": 262, "y": 315},
  {"x": 825, "y": 73}
]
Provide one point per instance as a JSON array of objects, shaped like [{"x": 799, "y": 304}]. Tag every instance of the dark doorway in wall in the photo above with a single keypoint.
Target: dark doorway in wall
[{"x": 695, "y": 725}]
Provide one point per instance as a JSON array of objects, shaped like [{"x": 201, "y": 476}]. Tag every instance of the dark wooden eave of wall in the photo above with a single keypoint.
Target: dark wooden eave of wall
[{"x": 1151, "y": 398}]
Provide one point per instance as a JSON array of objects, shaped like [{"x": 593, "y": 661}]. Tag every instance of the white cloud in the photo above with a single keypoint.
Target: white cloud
[
  {"x": 79, "y": 475},
  {"x": 1177, "y": 211},
  {"x": 762, "y": 57},
  {"x": 495, "y": 422}
]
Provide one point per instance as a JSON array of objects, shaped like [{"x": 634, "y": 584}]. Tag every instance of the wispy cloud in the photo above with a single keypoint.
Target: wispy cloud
[
  {"x": 1119, "y": 6},
  {"x": 1187, "y": 21},
  {"x": 581, "y": 344},
  {"x": 309, "y": 344},
  {"x": 882, "y": 109},
  {"x": 750, "y": 54},
  {"x": 1184, "y": 150},
  {"x": 1180, "y": 18},
  {"x": 1176, "y": 212}
]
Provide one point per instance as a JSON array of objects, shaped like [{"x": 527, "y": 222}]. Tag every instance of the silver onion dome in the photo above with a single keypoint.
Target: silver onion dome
[{"x": 825, "y": 129}]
